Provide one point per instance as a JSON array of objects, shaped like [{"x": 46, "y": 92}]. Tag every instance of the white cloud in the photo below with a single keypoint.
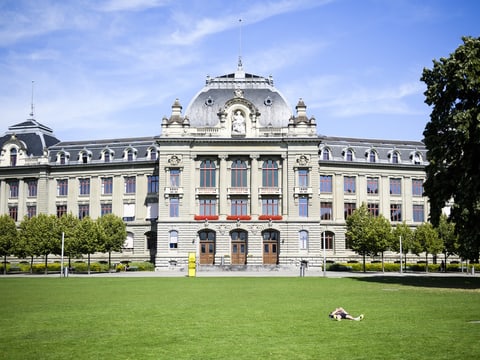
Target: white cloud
[{"x": 131, "y": 5}]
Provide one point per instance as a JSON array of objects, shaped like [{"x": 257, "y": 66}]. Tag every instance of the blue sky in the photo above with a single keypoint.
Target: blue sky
[{"x": 113, "y": 68}]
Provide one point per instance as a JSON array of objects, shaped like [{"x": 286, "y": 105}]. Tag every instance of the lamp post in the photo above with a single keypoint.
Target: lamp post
[{"x": 401, "y": 254}]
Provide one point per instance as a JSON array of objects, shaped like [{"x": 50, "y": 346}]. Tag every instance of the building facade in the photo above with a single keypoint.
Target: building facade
[{"x": 238, "y": 178}]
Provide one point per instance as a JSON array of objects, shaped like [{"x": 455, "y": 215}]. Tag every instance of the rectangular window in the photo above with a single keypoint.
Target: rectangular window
[
  {"x": 326, "y": 184},
  {"x": 417, "y": 187},
  {"x": 13, "y": 189},
  {"x": 130, "y": 185},
  {"x": 349, "y": 184},
  {"x": 418, "y": 213},
  {"x": 84, "y": 186},
  {"x": 152, "y": 184},
  {"x": 326, "y": 211},
  {"x": 174, "y": 206},
  {"x": 208, "y": 207},
  {"x": 61, "y": 210},
  {"x": 13, "y": 212},
  {"x": 395, "y": 212},
  {"x": 207, "y": 174},
  {"x": 128, "y": 212},
  {"x": 105, "y": 208},
  {"x": 269, "y": 206},
  {"x": 152, "y": 211},
  {"x": 348, "y": 209},
  {"x": 303, "y": 206},
  {"x": 328, "y": 236},
  {"x": 31, "y": 211},
  {"x": 83, "y": 210},
  {"x": 32, "y": 188},
  {"x": 372, "y": 186},
  {"x": 239, "y": 207},
  {"x": 62, "y": 187},
  {"x": 395, "y": 186},
  {"x": 303, "y": 177},
  {"x": 173, "y": 241},
  {"x": 373, "y": 209},
  {"x": 107, "y": 186},
  {"x": 174, "y": 178}
]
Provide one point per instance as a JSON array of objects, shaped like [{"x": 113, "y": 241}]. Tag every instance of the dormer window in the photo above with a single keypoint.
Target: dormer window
[
  {"x": 349, "y": 155},
  {"x": 372, "y": 156},
  {"x": 13, "y": 157},
  {"x": 395, "y": 158},
  {"x": 107, "y": 155},
  {"x": 84, "y": 158},
  {"x": 130, "y": 154},
  {"x": 326, "y": 154},
  {"x": 152, "y": 153},
  {"x": 417, "y": 158},
  {"x": 63, "y": 157}
]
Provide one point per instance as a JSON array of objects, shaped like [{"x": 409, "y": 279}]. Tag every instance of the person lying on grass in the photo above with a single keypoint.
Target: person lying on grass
[{"x": 340, "y": 313}]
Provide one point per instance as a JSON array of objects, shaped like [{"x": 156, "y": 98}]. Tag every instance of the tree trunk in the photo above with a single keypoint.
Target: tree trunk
[
  {"x": 426, "y": 262},
  {"x": 383, "y": 264},
  {"x": 88, "y": 265},
  {"x": 364, "y": 270},
  {"x": 31, "y": 264},
  {"x": 46, "y": 263},
  {"x": 5, "y": 265}
]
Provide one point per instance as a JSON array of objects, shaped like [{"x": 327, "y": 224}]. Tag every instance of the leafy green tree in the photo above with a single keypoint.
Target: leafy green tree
[
  {"x": 452, "y": 138},
  {"x": 368, "y": 235},
  {"x": 26, "y": 247},
  {"x": 114, "y": 233},
  {"x": 446, "y": 233},
  {"x": 409, "y": 244},
  {"x": 8, "y": 238},
  {"x": 427, "y": 237},
  {"x": 67, "y": 224},
  {"x": 89, "y": 236}
]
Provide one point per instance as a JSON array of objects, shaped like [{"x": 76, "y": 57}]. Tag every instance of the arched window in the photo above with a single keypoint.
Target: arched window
[
  {"x": 303, "y": 239},
  {"x": 326, "y": 154},
  {"x": 207, "y": 174},
  {"x": 395, "y": 157},
  {"x": 327, "y": 237},
  {"x": 173, "y": 239},
  {"x": 13, "y": 157},
  {"x": 239, "y": 173},
  {"x": 238, "y": 235},
  {"x": 130, "y": 155},
  {"x": 372, "y": 156},
  {"x": 349, "y": 155},
  {"x": 270, "y": 173}
]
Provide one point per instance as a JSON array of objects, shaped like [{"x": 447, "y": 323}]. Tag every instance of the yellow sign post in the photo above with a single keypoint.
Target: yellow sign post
[{"x": 192, "y": 263}]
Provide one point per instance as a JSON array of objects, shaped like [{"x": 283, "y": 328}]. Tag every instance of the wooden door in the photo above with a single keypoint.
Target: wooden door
[
  {"x": 207, "y": 252},
  {"x": 270, "y": 247},
  {"x": 239, "y": 253}
]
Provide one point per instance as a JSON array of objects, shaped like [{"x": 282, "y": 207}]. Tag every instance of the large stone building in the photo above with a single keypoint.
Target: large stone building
[{"x": 237, "y": 178}]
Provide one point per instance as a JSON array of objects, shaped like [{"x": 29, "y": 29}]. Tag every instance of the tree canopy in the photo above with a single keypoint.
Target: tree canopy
[
  {"x": 452, "y": 138},
  {"x": 8, "y": 237}
]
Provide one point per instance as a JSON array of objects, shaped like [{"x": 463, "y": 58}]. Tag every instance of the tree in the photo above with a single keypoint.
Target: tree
[
  {"x": 8, "y": 237},
  {"x": 367, "y": 234},
  {"x": 67, "y": 225},
  {"x": 429, "y": 241},
  {"x": 114, "y": 233},
  {"x": 446, "y": 233},
  {"x": 452, "y": 138},
  {"x": 89, "y": 236}
]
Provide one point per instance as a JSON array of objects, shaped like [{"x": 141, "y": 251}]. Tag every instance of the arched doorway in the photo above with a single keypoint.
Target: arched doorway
[
  {"x": 207, "y": 247},
  {"x": 270, "y": 246},
  {"x": 239, "y": 247},
  {"x": 151, "y": 237}
]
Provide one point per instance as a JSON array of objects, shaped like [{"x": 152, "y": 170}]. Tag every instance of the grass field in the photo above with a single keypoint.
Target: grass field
[{"x": 239, "y": 318}]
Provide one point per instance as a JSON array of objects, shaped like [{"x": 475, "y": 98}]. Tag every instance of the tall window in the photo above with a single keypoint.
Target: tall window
[
  {"x": 153, "y": 154},
  {"x": 208, "y": 206},
  {"x": 32, "y": 188},
  {"x": 130, "y": 184},
  {"x": 270, "y": 173},
  {"x": 13, "y": 189},
  {"x": 174, "y": 206},
  {"x": 105, "y": 208},
  {"x": 326, "y": 184},
  {"x": 62, "y": 159},
  {"x": 239, "y": 173},
  {"x": 239, "y": 207},
  {"x": 13, "y": 157},
  {"x": 303, "y": 206},
  {"x": 349, "y": 184},
  {"x": 13, "y": 212},
  {"x": 269, "y": 206},
  {"x": 84, "y": 186},
  {"x": 303, "y": 240},
  {"x": 372, "y": 156},
  {"x": 61, "y": 210},
  {"x": 326, "y": 154},
  {"x": 417, "y": 187},
  {"x": 395, "y": 212},
  {"x": 349, "y": 155},
  {"x": 130, "y": 155},
  {"x": 328, "y": 236},
  {"x": 418, "y": 213},
  {"x": 107, "y": 186},
  {"x": 395, "y": 157},
  {"x": 348, "y": 209},
  {"x": 153, "y": 184},
  {"x": 303, "y": 177},
  {"x": 373, "y": 209},
  {"x": 372, "y": 185},
  {"x": 62, "y": 187},
  {"x": 395, "y": 186},
  {"x": 207, "y": 174},
  {"x": 174, "y": 178},
  {"x": 106, "y": 156},
  {"x": 173, "y": 239},
  {"x": 31, "y": 211},
  {"x": 83, "y": 210},
  {"x": 326, "y": 211},
  {"x": 84, "y": 157}
]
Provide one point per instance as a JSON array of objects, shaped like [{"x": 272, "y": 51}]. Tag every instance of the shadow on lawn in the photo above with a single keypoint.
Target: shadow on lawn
[{"x": 448, "y": 282}]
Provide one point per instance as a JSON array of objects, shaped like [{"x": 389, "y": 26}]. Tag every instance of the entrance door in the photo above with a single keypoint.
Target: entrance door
[
  {"x": 270, "y": 247},
  {"x": 207, "y": 247},
  {"x": 239, "y": 247}
]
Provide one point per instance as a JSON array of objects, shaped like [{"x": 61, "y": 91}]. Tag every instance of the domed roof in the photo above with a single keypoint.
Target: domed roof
[{"x": 271, "y": 107}]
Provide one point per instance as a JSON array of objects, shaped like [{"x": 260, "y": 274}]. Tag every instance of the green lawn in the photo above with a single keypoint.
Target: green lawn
[{"x": 239, "y": 318}]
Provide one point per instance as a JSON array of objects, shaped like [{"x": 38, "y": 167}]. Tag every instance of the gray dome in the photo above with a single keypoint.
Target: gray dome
[{"x": 272, "y": 108}]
